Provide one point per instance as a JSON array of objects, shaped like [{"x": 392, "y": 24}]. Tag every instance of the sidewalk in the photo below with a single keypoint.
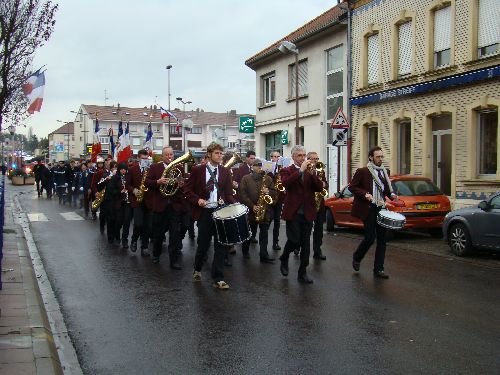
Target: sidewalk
[{"x": 26, "y": 341}]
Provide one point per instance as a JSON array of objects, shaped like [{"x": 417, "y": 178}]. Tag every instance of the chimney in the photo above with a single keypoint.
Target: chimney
[
  {"x": 118, "y": 105},
  {"x": 232, "y": 112},
  {"x": 197, "y": 110},
  {"x": 154, "y": 107}
]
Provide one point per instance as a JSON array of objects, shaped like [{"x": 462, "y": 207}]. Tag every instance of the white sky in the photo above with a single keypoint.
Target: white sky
[{"x": 124, "y": 46}]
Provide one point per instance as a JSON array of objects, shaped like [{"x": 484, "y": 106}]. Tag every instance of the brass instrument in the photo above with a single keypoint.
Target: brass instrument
[
  {"x": 99, "y": 197},
  {"x": 278, "y": 185},
  {"x": 173, "y": 174},
  {"x": 125, "y": 195},
  {"x": 234, "y": 160},
  {"x": 142, "y": 188},
  {"x": 319, "y": 195},
  {"x": 262, "y": 203}
]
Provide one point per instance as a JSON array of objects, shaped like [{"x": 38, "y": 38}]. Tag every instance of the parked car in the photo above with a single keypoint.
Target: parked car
[
  {"x": 425, "y": 206},
  {"x": 476, "y": 227}
]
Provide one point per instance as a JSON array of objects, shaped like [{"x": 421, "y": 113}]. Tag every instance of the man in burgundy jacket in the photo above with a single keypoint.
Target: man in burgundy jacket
[
  {"x": 278, "y": 205},
  {"x": 244, "y": 169},
  {"x": 299, "y": 211},
  {"x": 208, "y": 185},
  {"x": 140, "y": 212},
  {"x": 370, "y": 186},
  {"x": 166, "y": 210}
]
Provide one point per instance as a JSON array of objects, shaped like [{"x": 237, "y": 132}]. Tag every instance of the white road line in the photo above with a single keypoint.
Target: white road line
[
  {"x": 71, "y": 216},
  {"x": 37, "y": 216}
]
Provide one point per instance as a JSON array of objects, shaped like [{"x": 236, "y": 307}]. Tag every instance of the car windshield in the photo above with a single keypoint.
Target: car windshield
[{"x": 415, "y": 187}]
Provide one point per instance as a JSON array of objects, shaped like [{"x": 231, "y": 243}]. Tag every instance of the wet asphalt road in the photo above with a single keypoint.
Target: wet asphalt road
[{"x": 129, "y": 316}]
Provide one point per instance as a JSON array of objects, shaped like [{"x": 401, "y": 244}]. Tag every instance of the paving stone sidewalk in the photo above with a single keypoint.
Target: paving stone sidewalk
[{"x": 26, "y": 341}]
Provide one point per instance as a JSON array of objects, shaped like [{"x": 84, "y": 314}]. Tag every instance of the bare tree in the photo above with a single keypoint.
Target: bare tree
[{"x": 25, "y": 25}]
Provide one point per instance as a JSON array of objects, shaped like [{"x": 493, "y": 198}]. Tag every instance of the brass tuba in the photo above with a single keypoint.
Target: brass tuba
[
  {"x": 173, "y": 174},
  {"x": 262, "y": 203},
  {"x": 234, "y": 160}
]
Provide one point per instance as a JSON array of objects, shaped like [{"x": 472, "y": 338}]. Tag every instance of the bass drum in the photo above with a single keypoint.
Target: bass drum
[
  {"x": 231, "y": 224},
  {"x": 391, "y": 220}
]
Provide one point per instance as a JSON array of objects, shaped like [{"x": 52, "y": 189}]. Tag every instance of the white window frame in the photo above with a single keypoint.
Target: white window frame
[
  {"x": 267, "y": 89},
  {"x": 196, "y": 130},
  {"x": 479, "y": 149},
  {"x": 136, "y": 141},
  {"x": 329, "y": 72},
  {"x": 373, "y": 59},
  {"x": 442, "y": 35},
  {"x": 303, "y": 83},
  {"x": 405, "y": 63},
  {"x": 370, "y": 128},
  {"x": 400, "y": 154},
  {"x": 104, "y": 140}
]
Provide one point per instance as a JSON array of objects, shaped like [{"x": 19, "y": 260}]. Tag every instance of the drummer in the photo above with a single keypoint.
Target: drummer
[
  {"x": 370, "y": 185},
  {"x": 207, "y": 187}
]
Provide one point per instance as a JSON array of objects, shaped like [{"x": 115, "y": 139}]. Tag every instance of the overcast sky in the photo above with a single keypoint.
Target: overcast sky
[{"x": 123, "y": 47}]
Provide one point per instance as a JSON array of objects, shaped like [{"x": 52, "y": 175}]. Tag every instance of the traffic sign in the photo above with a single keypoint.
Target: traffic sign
[
  {"x": 340, "y": 120},
  {"x": 247, "y": 124},
  {"x": 340, "y": 137},
  {"x": 284, "y": 137}
]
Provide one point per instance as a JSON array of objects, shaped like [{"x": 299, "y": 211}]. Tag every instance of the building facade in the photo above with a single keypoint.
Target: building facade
[
  {"x": 322, "y": 83},
  {"x": 62, "y": 145},
  {"x": 425, "y": 87}
]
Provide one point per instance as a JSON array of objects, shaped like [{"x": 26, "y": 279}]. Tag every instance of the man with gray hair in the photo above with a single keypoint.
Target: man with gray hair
[{"x": 299, "y": 210}]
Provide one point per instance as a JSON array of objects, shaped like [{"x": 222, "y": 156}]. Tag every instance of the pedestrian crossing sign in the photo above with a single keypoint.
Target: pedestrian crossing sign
[{"x": 340, "y": 120}]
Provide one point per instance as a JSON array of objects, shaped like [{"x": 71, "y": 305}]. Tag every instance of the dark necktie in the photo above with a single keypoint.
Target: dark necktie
[
  {"x": 211, "y": 181},
  {"x": 381, "y": 176}
]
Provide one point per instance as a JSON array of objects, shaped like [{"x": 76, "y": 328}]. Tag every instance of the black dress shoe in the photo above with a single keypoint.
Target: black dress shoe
[
  {"x": 305, "y": 279},
  {"x": 319, "y": 256},
  {"x": 133, "y": 246},
  {"x": 155, "y": 260},
  {"x": 380, "y": 274},
  {"x": 267, "y": 260},
  {"x": 356, "y": 265},
  {"x": 253, "y": 240},
  {"x": 276, "y": 247},
  {"x": 144, "y": 253},
  {"x": 175, "y": 265},
  {"x": 284, "y": 267},
  {"x": 296, "y": 252}
]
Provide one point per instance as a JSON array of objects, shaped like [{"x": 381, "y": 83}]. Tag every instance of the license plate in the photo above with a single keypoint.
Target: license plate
[{"x": 426, "y": 206}]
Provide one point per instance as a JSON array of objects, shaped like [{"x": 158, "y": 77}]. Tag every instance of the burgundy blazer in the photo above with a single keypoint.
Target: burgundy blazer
[
  {"x": 362, "y": 183},
  {"x": 299, "y": 193},
  {"x": 134, "y": 178},
  {"x": 195, "y": 187},
  {"x": 243, "y": 170},
  {"x": 157, "y": 202}
]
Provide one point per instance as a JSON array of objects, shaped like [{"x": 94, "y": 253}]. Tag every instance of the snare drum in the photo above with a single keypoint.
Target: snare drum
[
  {"x": 231, "y": 224},
  {"x": 390, "y": 220}
]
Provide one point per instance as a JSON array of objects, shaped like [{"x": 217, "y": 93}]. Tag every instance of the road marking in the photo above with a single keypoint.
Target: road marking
[
  {"x": 37, "y": 216},
  {"x": 71, "y": 216}
]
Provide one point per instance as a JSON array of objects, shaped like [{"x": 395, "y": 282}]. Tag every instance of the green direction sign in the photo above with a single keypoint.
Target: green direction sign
[
  {"x": 284, "y": 137},
  {"x": 247, "y": 124}
]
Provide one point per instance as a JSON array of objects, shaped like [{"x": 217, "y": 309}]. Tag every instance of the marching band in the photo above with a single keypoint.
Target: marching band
[{"x": 227, "y": 204}]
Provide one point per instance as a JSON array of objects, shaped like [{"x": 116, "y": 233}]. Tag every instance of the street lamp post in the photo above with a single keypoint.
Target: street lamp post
[
  {"x": 168, "y": 67},
  {"x": 183, "y": 127},
  {"x": 286, "y": 47}
]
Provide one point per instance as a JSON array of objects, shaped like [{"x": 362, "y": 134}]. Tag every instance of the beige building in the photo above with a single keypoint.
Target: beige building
[
  {"x": 322, "y": 57},
  {"x": 425, "y": 87},
  {"x": 62, "y": 144}
]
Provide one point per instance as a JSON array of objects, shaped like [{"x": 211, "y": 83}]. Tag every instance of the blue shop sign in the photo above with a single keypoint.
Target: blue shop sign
[{"x": 440, "y": 84}]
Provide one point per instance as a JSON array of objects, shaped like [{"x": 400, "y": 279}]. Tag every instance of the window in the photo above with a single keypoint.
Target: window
[
  {"x": 273, "y": 143},
  {"x": 495, "y": 202},
  {"x": 373, "y": 58},
  {"x": 488, "y": 28},
  {"x": 404, "y": 147},
  {"x": 158, "y": 143},
  {"x": 175, "y": 129},
  {"x": 442, "y": 37},
  {"x": 405, "y": 49},
  {"x": 231, "y": 145},
  {"x": 372, "y": 137},
  {"x": 81, "y": 139},
  {"x": 268, "y": 89},
  {"x": 104, "y": 140},
  {"x": 73, "y": 138},
  {"x": 196, "y": 130},
  {"x": 334, "y": 83},
  {"x": 487, "y": 142},
  {"x": 302, "y": 79},
  {"x": 136, "y": 141}
]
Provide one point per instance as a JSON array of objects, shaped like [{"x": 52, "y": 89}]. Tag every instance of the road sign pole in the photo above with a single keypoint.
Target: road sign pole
[{"x": 338, "y": 168}]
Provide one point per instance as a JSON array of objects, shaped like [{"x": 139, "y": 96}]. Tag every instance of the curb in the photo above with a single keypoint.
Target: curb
[{"x": 54, "y": 330}]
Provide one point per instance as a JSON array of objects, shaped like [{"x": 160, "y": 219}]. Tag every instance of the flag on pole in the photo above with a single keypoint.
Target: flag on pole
[
  {"x": 118, "y": 144},
  {"x": 96, "y": 144},
  {"x": 166, "y": 114},
  {"x": 148, "y": 143},
  {"x": 111, "y": 143},
  {"x": 125, "y": 150},
  {"x": 33, "y": 89}
]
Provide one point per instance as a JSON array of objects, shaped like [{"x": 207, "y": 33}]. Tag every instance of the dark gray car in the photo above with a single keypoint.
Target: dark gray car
[{"x": 474, "y": 227}]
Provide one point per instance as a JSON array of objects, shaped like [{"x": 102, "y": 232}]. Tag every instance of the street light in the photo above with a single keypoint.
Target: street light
[
  {"x": 286, "y": 47},
  {"x": 168, "y": 67},
  {"x": 85, "y": 131},
  {"x": 186, "y": 122}
]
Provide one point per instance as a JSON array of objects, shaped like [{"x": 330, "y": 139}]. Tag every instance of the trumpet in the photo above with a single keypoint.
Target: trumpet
[
  {"x": 318, "y": 196},
  {"x": 319, "y": 167},
  {"x": 234, "y": 160}
]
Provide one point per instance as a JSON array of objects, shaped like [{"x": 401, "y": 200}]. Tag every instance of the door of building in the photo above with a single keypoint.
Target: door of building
[{"x": 441, "y": 163}]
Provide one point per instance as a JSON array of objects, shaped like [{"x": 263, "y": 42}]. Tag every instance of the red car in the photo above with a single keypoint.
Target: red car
[{"x": 425, "y": 206}]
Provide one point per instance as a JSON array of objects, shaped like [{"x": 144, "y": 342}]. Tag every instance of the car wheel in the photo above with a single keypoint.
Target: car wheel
[
  {"x": 459, "y": 240},
  {"x": 436, "y": 232},
  {"x": 330, "y": 221}
]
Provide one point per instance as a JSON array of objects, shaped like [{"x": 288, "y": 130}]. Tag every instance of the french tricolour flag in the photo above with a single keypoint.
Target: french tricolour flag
[
  {"x": 33, "y": 89},
  {"x": 125, "y": 151},
  {"x": 96, "y": 145},
  {"x": 166, "y": 114},
  {"x": 148, "y": 143}
]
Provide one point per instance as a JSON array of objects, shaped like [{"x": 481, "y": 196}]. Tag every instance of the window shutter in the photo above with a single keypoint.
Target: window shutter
[
  {"x": 373, "y": 73},
  {"x": 442, "y": 29},
  {"x": 405, "y": 48},
  {"x": 302, "y": 79},
  {"x": 488, "y": 23}
]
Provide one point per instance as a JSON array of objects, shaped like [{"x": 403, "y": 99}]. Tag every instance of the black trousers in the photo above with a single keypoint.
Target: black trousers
[
  {"x": 318, "y": 231},
  {"x": 263, "y": 238},
  {"x": 276, "y": 220},
  {"x": 142, "y": 225},
  {"x": 169, "y": 220},
  {"x": 298, "y": 232},
  {"x": 372, "y": 231},
  {"x": 128, "y": 215},
  {"x": 86, "y": 203},
  {"x": 206, "y": 229}
]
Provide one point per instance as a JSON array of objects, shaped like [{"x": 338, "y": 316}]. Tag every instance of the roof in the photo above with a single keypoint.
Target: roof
[
  {"x": 112, "y": 113},
  {"x": 67, "y": 128},
  {"x": 320, "y": 23}
]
